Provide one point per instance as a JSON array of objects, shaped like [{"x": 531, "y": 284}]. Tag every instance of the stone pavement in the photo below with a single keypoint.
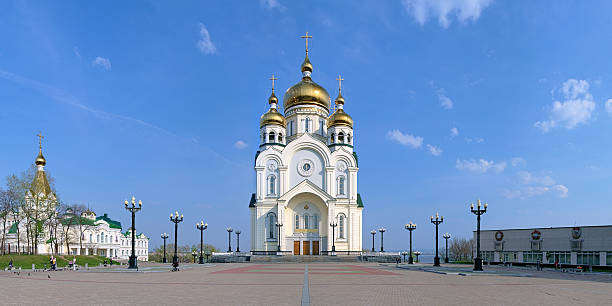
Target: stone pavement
[{"x": 295, "y": 284}]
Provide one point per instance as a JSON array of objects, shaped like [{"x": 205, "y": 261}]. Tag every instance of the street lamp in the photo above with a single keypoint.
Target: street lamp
[
  {"x": 133, "y": 209},
  {"x": 279, "y": 225},
  {"x": 333, "y": 226},
  {"x": 164, "y": 236},
  {"x": 410, "y": 227},
  {"x": 478, "y": 212},
  {"x": 437, "y": 222},
  {"x": 404, "y": 253},
  {"x": 417, "y": 253},
  {"x": 238, "y": 232},
  {"x": 446, "y": 236},
  {"x": 382, "y": 231},
  {"x": 194, "y": 253},
  {"x": 176, "y": 219},
  {"x": 373, "y": 232},
  {"x": 201, "y": 226},
  {"x": 229, "y": 237}
]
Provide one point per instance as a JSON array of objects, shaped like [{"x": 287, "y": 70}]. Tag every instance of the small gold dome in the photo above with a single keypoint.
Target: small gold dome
[
  {"x": 306, "y": 65},
  {"x": 339, "y": 117},
  {"x": 40, "y": 159},
  {"x": 306, "y": 92},
  {"x": 273, "y": 99},
  {"x": 340, "y": 99},
  {"x": 272, "y": 117}
]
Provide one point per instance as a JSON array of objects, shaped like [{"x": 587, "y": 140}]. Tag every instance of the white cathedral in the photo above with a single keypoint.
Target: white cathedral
[{"x": 306, "y": 201}]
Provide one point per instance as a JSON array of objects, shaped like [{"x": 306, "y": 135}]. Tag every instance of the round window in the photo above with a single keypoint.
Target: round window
[{"x": 306, "y": 167}]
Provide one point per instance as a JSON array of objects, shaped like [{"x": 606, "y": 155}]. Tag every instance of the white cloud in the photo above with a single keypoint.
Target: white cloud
[
  {"x": 481, "y": 165},
  {"x": 435, "y": 151},
  {"x": 240, "y": 145},
  {"x": 102, "y": 62},
  {"x": 205, "y": 44},
  {"x": 476, "y": 139},
  {"x": 527, "y": 178},
  {"x": 445, "y": 101},
  {"x": 518, "y": 161},
  {"x": 576, "y": 108},
  {"x": 445, "y": 10},
  {"x": 408, "y": 140},
  {"x": 76, "y": 52},
  {"x": 530, "y": 185},
  {"x": 273, "y": 4},
  {"x": 454, "y": 132},
  {"x": 609, "y": 106}
]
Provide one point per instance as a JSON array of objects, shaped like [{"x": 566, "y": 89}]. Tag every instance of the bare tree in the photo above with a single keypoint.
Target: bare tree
[
  {"x": 460, "y": 248},
  {"x": 4, "y": 215}
]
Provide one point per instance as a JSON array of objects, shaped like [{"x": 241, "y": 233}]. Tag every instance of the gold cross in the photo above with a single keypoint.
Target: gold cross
[
  {"x": 339, "y": 79},
  {"x": 273, "y": 79},
  {"x": 306, "y": 37},
  {"x": 40, "y": 137}
]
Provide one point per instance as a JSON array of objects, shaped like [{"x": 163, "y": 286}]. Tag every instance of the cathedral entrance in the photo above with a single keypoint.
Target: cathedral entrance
[
  {"x": 306, "y": 247},
  {"x": 315, "y": 247},
  {"x": 296, "y": 248}
]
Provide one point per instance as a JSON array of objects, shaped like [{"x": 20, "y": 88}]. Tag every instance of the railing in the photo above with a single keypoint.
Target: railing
[
  {"x": 344, "y": 253},
  {"x": 271, "y": 252}
]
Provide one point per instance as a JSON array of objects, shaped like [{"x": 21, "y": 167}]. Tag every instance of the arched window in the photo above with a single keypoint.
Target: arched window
[
  {"x": 348, "y": 138},
  {"x": 280, "y": 137},
  {"x": 271, "y": 185},
  {"x": 306, "y": 221},
  {"x": 315, "y": 222},
  {"x": 307, "y": 125},
  {"x": 101, "y": 237},
  {"x": 90, "y": 238},
  {"x": 297, "y": 221},
  {"x": 341, "y": 222},
  {"x": 333, "y": 138},
  {"x": 341, "y": 183},
  {"x": 290, "y": 128},
  {"x": 271, "y": 137},
  {"x": 341, "y": 137},
  {"x": 271, "y": 225}
]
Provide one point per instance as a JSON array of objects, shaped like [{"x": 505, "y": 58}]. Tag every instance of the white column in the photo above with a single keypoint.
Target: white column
[{"x": 260, "y": 184}]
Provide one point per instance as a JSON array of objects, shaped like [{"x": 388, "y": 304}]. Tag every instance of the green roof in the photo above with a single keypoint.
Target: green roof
[
  {"x": 111, "y": 223},
  {"x": 359, "y": 201},
  {"x": 253, "y": 201},
  {"x": 81, "y": 220},
  {"x": 356, "y": 159},
  {"x": 13, "y": 229}
]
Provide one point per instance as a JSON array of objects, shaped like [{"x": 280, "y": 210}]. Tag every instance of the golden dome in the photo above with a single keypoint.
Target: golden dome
[
  {"x": 306, "y": 92},
  {"x": 339, "y": 117},
  {"x": 272, "y": 117},
  {"x": 273, "y": 99},
  {"x": 40, "y": 159}
]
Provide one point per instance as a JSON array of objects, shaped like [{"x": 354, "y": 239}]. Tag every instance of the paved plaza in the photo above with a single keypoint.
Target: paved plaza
[{"x": 299, "y": 284}]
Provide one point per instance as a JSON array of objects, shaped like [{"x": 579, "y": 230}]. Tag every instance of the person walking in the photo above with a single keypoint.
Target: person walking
[{"x": 11, "y": 264}]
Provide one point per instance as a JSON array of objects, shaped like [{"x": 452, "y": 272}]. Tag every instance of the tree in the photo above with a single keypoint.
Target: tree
[
  {"x": 184, "y": 252},
  {"x": 4, "y": 215},
  {"x": 71, "y": 217},
  {"x": 460, "y": 249}
]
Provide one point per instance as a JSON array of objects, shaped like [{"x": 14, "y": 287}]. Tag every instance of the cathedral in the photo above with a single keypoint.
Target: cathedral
[{"x": 306, "y": 200}]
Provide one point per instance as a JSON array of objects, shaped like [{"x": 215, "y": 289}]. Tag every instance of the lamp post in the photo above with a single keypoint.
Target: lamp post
[
  {"x": 382, "y": 231},
  {"x": 437, "y": 222},
  {"x": 333, "y": 226},
  {"x": 176, "y": 219},
  {"x": 238, "y": 232},
  {"x": 133, "y": 209},
  {"x": 201, "y": 226},
  {"x": 279, "y": 225},
  {"x": 164, "y": 236},
  {"x": 417, "y": 253},
  {"x": 404, "y": 253},
  {"x": 478, "y": 212},
  {"x": 446, "y": 236},
  {"x": 194, "y": 253},
  {"x": 373, "y": 232},
  {"x": 229, "y": 237},
  {"x": 410, "y": 227}
]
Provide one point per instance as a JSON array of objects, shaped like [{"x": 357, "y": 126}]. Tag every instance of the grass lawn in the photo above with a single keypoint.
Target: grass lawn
[{"x": 42, "y": 261}]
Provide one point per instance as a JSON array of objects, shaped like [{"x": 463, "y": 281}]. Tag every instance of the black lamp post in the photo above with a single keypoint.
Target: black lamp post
[
  {"x": 133, "y": 209},
  {"x": 410, "y": 227},
  {"x": 478, "y": 212},
  {"x": 446, "y": 236},
  {"x": 437, "y": 222},
  {"x": 238, "y": 232},
  {"x": 176, "y": 219},
  {"x": 279, "y": 225},
  {"x": 373, "y": 232},
  {"x": 333, "y": 226},
  {"x": 164, "y": 236},
  {"x": 382, "y": 241},
  {"x": 194, "y": 253},
  {"x": 404, "y": 253},
  {"x": 201, "y": 226},
  {"x": 229, "y": 237},
  {"x": 417, "y": 253}
]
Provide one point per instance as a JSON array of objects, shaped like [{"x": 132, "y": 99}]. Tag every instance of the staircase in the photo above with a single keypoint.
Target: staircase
[{"x": 303, "y": 258}]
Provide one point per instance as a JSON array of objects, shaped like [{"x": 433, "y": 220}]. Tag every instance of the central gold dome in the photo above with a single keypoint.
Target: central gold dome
[{"x": 306, "y": 92}]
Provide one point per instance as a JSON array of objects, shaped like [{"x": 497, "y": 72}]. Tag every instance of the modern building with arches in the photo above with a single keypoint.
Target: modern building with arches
[{"x": 306, "y": 174}]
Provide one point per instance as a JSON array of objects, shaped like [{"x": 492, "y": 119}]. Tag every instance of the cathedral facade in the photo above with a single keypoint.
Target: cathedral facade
[{"x": 306, "y": 200}]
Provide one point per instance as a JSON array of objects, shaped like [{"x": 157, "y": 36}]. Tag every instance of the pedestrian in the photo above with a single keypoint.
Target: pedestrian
[
  {"x": 54, "y": 264},
  {"x": 11, "y": 264},
  {"x": 74, "y": 263}
]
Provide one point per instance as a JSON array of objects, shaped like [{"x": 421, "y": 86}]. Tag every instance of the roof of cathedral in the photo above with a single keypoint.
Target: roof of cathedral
[
  {"x": 272, "y": 117},
  {"x": 40, "y": 184},
  {"x": 111, "y": 223},
  {"x": 306, "y": 92},
  {"x": 13, "y": 229},
  {"x": 253, "y": 200},
  {"x": 339, "y": 117},
  {"x": 359, "y": 201}
]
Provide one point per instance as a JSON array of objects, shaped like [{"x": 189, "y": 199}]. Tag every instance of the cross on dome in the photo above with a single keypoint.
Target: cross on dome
[
  {"x": 273, "y": 79},
  {"x": 339, "y": 79},
  {"x": 306, "y": 37},
  {"x": 40, "y": 137}
]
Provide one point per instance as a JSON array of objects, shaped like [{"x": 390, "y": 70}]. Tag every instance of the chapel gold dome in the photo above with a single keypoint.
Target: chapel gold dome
[
  {"x": 272, "y": 117},
  {"x": 40, "y": 159},
  {"x": 306, "y": 92},
  {"x": 339, "y": 117}
]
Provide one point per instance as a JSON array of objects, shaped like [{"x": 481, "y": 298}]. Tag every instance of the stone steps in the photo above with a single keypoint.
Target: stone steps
[{"x": 303, "y": 258}]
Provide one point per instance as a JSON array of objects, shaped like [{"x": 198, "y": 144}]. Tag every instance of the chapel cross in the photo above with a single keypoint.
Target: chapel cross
[
  {"x": 40, "y": 137},
  {"x": 339, "y": 79},
  {"x": 306, "y": 37},
  {"x": 273, "y": 79}
]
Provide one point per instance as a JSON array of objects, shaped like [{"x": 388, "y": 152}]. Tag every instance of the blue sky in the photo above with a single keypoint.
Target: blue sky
[{"x": 452, "y": 101}]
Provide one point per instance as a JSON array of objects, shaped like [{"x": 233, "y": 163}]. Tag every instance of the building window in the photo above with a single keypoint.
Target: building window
[
  {"x": 348, "y": 138},
  {"x": 271, "y": 185},
  {"x": 280, "y": 137},
  {"x": 306, "y": 221},
  {"x": 307, "y": 125},
  {"x": 341, "y": 184},
  {"x": 297, "y": 221},
  {"x": 559, "y": 257},
  {"x": 532, "y": 256},
  {"x": 588, "y": 258},
  {"x": 271, "y": 225},
  {"x": 321, "y": 124},
  {"x": 263, "y": 137},
  {"x": 290, "y": 127},
  {"x": 315, "y": 223},
  {"x": 340, "y": 137},
  {"x": 332, "y": 139},
  {"x": 90, "y": 238},
  {"x": 271, "y": 137},
  {"x": 341, "y": 226}
]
